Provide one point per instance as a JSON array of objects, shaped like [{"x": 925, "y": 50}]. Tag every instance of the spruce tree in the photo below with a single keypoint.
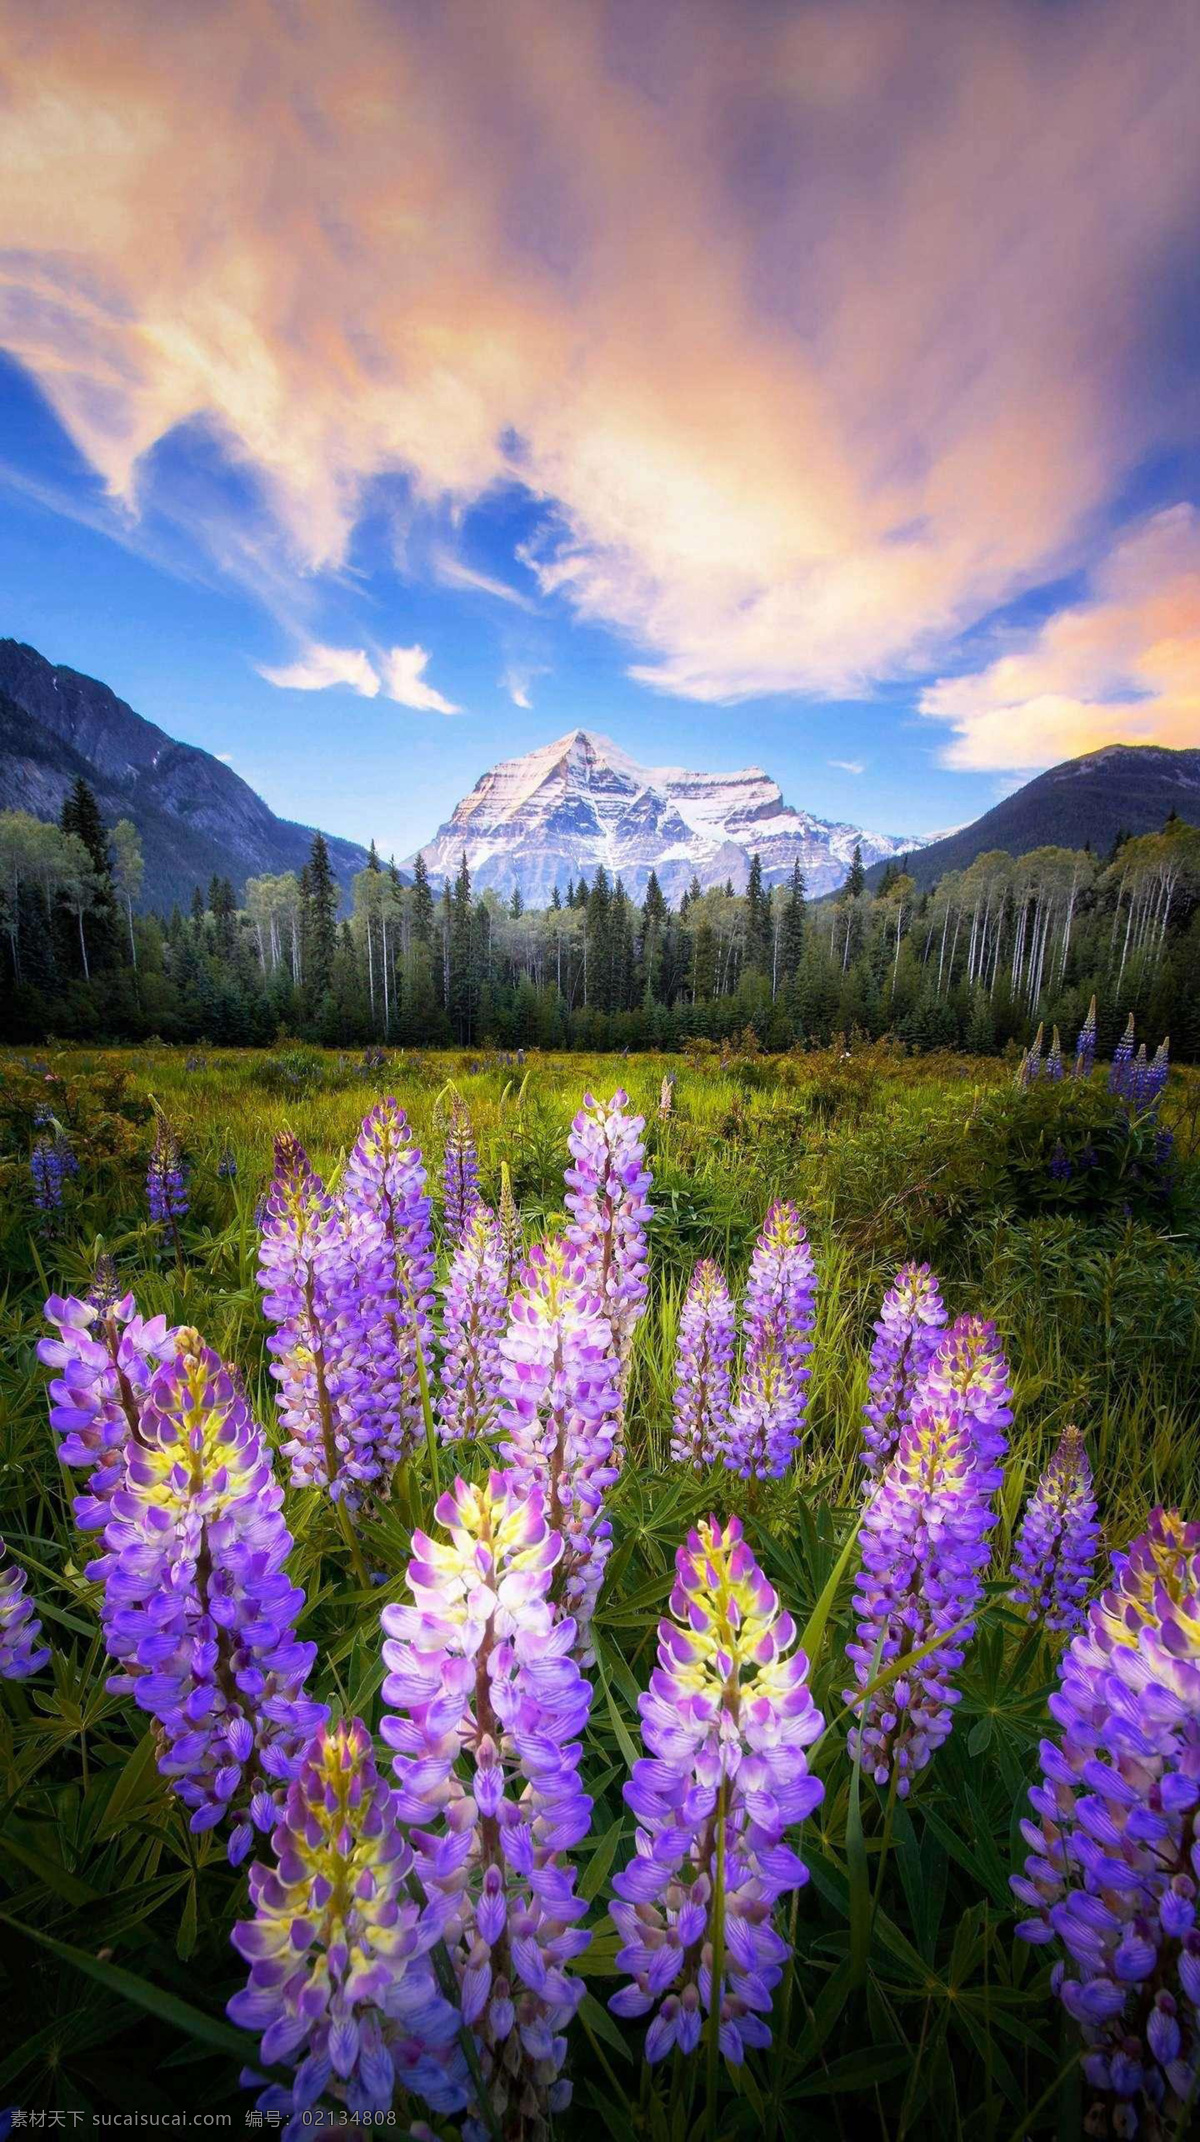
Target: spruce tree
[
  {"x": 422, "y": 903},
  {"x": 857, "y": 876},
  {"x": 318, "y": 927},
  {"x": 758, "y": 920},
  {"x": 792, "y": 947},
  {"x": 81, "y": 816}
]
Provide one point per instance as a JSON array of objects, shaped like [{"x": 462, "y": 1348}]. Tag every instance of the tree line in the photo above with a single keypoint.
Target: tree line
[{"x": 976, "y": 962}]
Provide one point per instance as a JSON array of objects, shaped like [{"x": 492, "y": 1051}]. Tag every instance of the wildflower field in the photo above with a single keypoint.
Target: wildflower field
[{"x": 556, "y": 1580}]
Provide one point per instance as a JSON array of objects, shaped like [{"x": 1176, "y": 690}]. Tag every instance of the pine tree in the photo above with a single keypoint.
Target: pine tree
[
  {"x": 792, "y": 946},
  {"x": 422, "y": 903},
  {"x": 516, "y": 906},
  {"x": 463, "y": 978},
  {"x": 857, "y": 876},
  {"x": 758, "y": 920},
  {"x": 98, "y": 931},
  {"x": 318, "y": 927}
]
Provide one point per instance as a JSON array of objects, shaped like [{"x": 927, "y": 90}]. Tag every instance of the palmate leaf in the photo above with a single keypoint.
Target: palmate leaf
[{"x": 127, "y": 1986}]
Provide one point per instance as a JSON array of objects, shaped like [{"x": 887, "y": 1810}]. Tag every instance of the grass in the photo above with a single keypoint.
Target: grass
[{"x": 909, "y": 2006}]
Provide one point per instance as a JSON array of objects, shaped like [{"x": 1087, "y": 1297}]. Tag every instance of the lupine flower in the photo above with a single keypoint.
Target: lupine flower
[
  {"x": 166, "y": 1178},
  {"x": 107, "y": 1355},
  {"x": 20, "y": 1653},
  {"x": 511, "y": 1240},
  {"x": 1059, "y": 1164},
  {"x": 1053, "y": 1066},
  {"x": 726, "y": 1721},
  {"x": 1029, "y": 1069},
  {"x": 1114, "y": 1864},
  {"x": 303, "y": 1274},
  {"x": 485, "y": 1709},
  {"x": 924, "y": 1551},
  {"x": 559, "y": 1414},
  {"x": 384, "y": 1288},
  {"x": 1055, "y": 1552},
  {"x": 227, "y": 1166},
  {"x": 779, "y": 1309},
  {"x": 476, "y": 1321},
  {"x": 198, "y": 1610},
  {"x": 341, "y": 1987},
  {"x": 606, "y": 1198},
  {"x": 666, "y": 1097},
  {"x": 970, "y": 1366},
  {"x": 47, "y": 1168},
  {"x": 765, "y": 1425},
  {"x": 908, "y": 1332},
  {"x": 460, "y": 1193},
  {"x": 1085, "y": 1045},
  {"x": 703, "y": 1358},
  {"x": 1158, "y": 1071},
  {"x": 1122, "y": 1057}
]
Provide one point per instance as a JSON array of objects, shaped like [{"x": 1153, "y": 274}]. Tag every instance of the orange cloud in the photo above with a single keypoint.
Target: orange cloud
[
  {"x": 1124, "y": 666},
  {"x": 817, "y": 330}
]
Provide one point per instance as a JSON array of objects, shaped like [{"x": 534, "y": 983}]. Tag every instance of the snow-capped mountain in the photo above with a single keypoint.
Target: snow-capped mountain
[{"x": 541, "y": 820}]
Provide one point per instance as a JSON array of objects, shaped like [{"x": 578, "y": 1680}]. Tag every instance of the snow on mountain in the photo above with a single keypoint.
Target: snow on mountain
[{"x": 541, "y": 820}]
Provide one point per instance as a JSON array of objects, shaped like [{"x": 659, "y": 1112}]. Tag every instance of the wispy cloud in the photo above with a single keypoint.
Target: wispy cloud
[
  {"x": 816, "y": 333},
  {"x": 848, "y": 765},
  {"x": 402, "y": 674},
  {"x": 319, "y": 667},
  {"x": 454, "y": 573},
  {"x": 226, "y": 757},
  {"x": 396, "y": 672},
  {"x": 518, "y": 679},
  {"x": 1122, "y": 666}
]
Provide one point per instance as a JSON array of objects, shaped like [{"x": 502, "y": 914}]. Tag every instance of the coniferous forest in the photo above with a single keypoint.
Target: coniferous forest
[{"x": 977, "y": 962}]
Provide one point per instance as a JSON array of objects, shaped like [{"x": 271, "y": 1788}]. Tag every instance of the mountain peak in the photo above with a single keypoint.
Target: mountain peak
[{"x": 566, "y": 807}]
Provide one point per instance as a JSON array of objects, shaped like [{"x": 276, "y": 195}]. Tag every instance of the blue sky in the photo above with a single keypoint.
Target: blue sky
[{"x": 832, "y": 412}]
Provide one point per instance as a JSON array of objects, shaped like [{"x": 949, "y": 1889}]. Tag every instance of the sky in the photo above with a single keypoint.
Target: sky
[{"x": 388, "y": 388}]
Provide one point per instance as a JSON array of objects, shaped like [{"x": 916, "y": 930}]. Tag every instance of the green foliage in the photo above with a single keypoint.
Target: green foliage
[{"x": 909, "y": 2008}]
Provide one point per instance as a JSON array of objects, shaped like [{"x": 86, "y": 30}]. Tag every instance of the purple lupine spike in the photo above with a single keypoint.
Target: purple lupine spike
[
  {"x": 511, "y": 1231},
  {"x": 779, "y": 1309},
  {"x": 606, "y": 1184},
  {"x": 20, "y": 1652},
  {"x": 385, "y": 1291},
  {"x": 302, "y": 1273},
  {"x": 728, "y": 1717},
  {"x": 1053, "y": 1066},
  {"x": 198, "y": 1610},
  {"x": 703, "y": 1365},
  {"x": 766, "y": 1421},
  {"x": 1114, "y": 1866},
  {"x": 341, "y": 1988},
  {"x": 1030, "y": 1068},
  {"x": 476, "y": 1321},
  {"x": 924, "y": 1552},
  {"x": 106, "y": 1355},
  {"x": 1085, "y": 1045},
  {"x": 1122, "y": 1057},
  {"x": 460, "y": 1173},
  {"x": 166, "y": 1177},
  {"x": 227, "y": 1166},
  {"x": 1157, "y": 1073},
  {"x": 970, "y": 1366},
  {"x": 47, "y": 1167},
  {"x": 1055, "y": 1554},
  {"x": 908, "y": 1332},
  {"x": 486, "y": 1707},
  {"x": 560, "y": 1412}
]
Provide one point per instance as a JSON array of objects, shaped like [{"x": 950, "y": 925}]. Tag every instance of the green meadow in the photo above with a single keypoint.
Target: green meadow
[{"x": 908, "y": 2008}]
